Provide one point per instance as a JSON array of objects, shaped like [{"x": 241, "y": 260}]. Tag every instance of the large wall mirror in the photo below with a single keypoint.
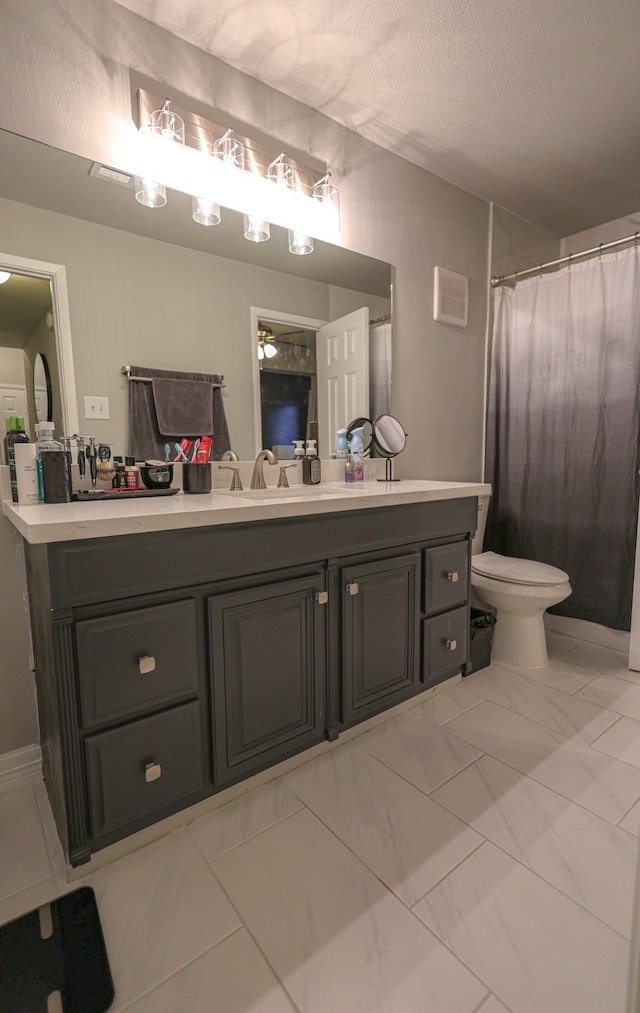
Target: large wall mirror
[{"x": 150, "y": 287}]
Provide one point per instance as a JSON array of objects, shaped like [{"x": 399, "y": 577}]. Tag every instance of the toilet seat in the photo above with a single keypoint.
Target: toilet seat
[{"x": 516, "y": 571}]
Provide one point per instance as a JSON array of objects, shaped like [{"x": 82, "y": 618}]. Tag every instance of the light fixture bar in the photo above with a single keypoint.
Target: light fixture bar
[{"x": 201, "y": 134}]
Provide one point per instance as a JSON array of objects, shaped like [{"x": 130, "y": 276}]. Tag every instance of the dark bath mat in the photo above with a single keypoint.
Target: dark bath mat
[{"x": 71, "y": 960}]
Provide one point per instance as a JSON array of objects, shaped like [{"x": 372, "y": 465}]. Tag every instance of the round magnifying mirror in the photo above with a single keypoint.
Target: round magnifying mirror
[
  {"x": 389, "y": 440},
  {"x": 42, "y": 389}
]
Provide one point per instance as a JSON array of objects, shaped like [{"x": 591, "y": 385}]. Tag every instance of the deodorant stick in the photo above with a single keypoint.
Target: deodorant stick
[{"x": 26, "y": 472}]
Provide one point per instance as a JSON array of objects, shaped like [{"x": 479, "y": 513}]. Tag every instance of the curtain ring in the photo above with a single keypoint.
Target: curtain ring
[
  {"x": 570, "y": 259},
  {"x": 600, "y": 253}
]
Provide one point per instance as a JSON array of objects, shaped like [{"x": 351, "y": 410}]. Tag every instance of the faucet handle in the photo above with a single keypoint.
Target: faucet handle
[
  {"x": 283, "y": 481},
  {"x": 236, "y": 481}
]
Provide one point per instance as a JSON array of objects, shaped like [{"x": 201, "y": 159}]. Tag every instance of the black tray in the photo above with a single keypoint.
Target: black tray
[
  {"x": 72, "y": 960},
  {"x": 85, "y": 495}
]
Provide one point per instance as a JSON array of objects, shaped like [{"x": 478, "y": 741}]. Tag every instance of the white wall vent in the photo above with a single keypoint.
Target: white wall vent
[{"x": 450, "y": 297}]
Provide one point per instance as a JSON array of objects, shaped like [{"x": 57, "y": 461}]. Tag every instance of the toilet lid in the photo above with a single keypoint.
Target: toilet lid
[{"x": 516, "y": 571}]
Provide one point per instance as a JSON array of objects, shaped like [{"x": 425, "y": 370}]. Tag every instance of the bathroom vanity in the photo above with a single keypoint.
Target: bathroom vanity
[{"x": 183, "y": 645}]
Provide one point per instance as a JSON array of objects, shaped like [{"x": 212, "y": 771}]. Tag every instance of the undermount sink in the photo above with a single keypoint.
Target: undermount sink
[{"x": 295, "y": 493}]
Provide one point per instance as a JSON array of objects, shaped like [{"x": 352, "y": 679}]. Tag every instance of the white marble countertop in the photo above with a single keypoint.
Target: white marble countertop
[{"x": 72, "y": 521}]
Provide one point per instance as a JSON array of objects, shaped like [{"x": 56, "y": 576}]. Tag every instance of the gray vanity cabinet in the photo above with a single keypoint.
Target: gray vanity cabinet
[
  {"x": 380, "y": 634},
  {"x": 268, "y": 673},
  {"x": 171, "y": 664}
]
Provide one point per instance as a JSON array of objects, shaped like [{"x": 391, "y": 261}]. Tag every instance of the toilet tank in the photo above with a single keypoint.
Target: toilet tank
[{"x": 478, "y": 538}]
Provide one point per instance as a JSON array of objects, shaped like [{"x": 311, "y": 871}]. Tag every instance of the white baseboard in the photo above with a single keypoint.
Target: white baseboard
[
  {"x": 21, "y": 766},
  {"x": 618, "y": 640}
]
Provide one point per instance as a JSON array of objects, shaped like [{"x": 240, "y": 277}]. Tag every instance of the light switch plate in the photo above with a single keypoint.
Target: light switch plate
[{"x": 96, "y": 407}]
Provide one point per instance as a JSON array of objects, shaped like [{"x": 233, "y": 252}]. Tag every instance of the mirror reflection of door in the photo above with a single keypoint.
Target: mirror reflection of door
[
  {"x": 312, "y": 382},
  {"x": 26, "y": 328},
  {"x": 288, "y": 385}
]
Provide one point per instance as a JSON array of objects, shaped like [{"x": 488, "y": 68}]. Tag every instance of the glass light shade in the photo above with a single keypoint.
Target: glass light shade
[
  {"x": 229, "y": 149},
  {"x": 152, "y": 195},
  {"x": 299, "y": 243},
  {"x": 256, "y": 230},
  {"x": 281, "y": 172},
  {"x": 167, "y": 124},
  {"x": 4, "y": 276},
  {"x": 270, "y": 350},
  {"x": 205, "y": 212},
  {"x": 260, "y": 351},
  {"x": 327, "y": 193}
]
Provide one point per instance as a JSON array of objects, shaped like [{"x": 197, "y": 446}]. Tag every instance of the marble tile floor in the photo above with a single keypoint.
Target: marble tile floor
[{"x": 474, "y": 853}]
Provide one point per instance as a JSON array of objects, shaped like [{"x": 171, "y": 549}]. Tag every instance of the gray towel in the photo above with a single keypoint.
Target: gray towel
[
  {"x": 145, "y": 440},
  {"x": 183, "y": 407}
]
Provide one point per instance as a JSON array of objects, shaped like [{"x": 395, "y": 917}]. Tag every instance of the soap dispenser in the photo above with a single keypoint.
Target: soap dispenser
[
  {"x": 311, "y": 468},
  {"x": 298, "y": 453}
]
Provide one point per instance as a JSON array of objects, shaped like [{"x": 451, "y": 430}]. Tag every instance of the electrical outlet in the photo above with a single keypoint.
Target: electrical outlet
[{"x": 96, "y": 407}]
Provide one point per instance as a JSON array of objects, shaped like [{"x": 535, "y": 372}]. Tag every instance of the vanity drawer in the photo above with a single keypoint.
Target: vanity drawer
[
  {"x": 446, "y": 576},
  {"x": 133, "y": 661},
  {"x": 138, "y": 770},
  {"x": 445, "y": 642}
]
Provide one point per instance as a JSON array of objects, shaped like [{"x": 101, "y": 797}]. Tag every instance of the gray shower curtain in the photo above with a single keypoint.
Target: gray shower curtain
[{"x": 563, "y": 429}]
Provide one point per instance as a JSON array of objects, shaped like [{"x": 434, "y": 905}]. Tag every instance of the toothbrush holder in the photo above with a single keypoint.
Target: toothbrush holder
[{"x": 196, "y": 477}]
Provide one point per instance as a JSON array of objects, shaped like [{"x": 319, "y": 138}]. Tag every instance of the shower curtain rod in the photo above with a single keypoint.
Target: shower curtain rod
[
  {"x": 517, "y": 275},
  {"x": 380, "y": 320}
]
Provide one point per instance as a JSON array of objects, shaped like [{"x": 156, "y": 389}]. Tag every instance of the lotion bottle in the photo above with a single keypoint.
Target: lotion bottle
[{"x": 311, "y": 467}]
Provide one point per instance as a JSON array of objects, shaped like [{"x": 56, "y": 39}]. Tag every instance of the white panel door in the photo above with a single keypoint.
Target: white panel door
[
  {"x": 13, "y": 401},
  {"x": 342, "y": 356}
]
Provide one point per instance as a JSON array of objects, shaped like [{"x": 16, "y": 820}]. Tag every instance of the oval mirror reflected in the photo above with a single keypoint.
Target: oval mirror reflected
[{"x": 42, "y": 392}]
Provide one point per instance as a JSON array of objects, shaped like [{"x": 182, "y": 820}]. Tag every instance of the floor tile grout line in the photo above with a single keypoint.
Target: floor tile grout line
[
  {"x": 250, "y": 933},
  {"x": 178, "y": 970},
  {"x": 534, "y": 683},
  {"x": 208, "y": 859}
]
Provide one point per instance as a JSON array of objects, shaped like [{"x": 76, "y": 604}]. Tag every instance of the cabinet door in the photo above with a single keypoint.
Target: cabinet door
[
  {"x": 269, "y": 679},
  {"x": 380, "y": 634}
]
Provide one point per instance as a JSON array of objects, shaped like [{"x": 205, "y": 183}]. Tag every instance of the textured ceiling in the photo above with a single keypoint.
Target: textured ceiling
[{"x": 530, "y": 103}]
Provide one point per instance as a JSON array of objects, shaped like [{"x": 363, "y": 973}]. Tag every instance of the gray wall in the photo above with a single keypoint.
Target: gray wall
[{"x": 68, "y": 73}]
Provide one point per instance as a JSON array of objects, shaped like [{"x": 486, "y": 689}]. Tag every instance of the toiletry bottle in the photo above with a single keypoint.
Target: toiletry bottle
[
  {"x": 341, "y": 445},
  {"x": 54, "y": 472},
  {"x": 15, "y": 434},
  {"x": 131, "y": 473},
  {"x": 357, "y": 455},
  {"x": 298, "y": 453},
  {"x": 311, "y": 468},
  {"x": 348, "y": 468}
]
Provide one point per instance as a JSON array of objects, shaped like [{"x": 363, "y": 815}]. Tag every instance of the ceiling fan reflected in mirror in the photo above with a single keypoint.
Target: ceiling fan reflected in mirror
[{"x": 266, "y": 343}]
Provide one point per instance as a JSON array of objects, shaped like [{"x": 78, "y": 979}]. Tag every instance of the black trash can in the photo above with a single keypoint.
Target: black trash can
[{"x": 481, "y": 639}]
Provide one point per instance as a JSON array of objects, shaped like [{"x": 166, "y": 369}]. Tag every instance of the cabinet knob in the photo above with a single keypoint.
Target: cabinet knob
[
  {"x": 146, "y": 664},
  {"x": 152, "y": 771},
  {"x": 451, "y": 645},
  {"x": 322, "y": 597},
  {"x": 453, "y": 577},
  {"x": 353, "y": 588}
]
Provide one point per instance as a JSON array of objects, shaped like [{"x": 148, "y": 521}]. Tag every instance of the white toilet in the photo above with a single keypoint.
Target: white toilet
[{"x": 519, "y": 591}]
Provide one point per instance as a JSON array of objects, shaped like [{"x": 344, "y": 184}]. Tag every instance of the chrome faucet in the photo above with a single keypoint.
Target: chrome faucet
[{"x": 257, "y": 476}]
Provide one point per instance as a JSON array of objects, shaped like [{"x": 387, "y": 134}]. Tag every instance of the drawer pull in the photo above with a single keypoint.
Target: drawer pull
[
  {"x": 152, "y": 772},
  {"x": 451, "y": 645},
  {"x": 322, "y": 597},
  {"x": 353, "y": 588},
  {"x": 453, "y": 577},
  {"x": 146, "y": 664}
]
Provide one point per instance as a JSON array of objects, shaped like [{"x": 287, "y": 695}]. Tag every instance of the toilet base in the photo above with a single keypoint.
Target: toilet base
[{"x": 519, "y": 641}]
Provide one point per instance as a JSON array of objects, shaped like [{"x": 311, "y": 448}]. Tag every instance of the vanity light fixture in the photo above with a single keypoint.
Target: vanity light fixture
[
  {"x": 4, "y": 276},
  {"x": 234, "y": 172}
]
